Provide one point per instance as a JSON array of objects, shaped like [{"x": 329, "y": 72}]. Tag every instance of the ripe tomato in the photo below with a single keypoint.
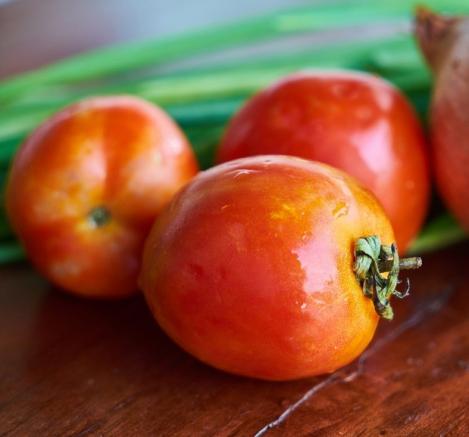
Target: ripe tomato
[
  {"x": 250, "y": 267},
  {"x": 86, "y": 186},
  {"x": 352, "y": 121}
]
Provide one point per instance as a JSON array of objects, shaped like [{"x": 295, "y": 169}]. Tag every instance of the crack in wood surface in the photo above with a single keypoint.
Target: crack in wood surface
[{"x": 429, "y": 307}]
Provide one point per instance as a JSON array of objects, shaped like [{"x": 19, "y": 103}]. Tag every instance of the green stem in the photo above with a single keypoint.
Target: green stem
[
  {"x": 441, "y": 232},
  {"x": 189, "y": 85},
  {"x": 177, "y": 96},
  {"x": 114, "y": 60},
  {"x": 119, "y": 59},
  {"x": 410, "y": 263},
  {"x": 5, "y": 229},
  {"x": 372, "y": 259},
  {"x": 204, "y": 142},
  {"x": 228, "y": 84},
  {"x": 11, "y": 252}
]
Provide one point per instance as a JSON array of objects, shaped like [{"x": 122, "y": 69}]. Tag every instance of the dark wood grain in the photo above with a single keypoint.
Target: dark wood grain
[{"x": 76, "y": 367}]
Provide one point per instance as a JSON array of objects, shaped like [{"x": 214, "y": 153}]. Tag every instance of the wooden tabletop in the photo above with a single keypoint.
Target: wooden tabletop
[{"x": 77, "y": 367}]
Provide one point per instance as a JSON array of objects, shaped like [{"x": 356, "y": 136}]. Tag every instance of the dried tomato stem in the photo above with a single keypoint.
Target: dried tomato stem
[
  {"x": 372, "y": 260},
  {"x": 411, "y": 263}
]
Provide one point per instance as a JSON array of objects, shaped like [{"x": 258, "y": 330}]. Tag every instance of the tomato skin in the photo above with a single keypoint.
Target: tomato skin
[
  {"x": 353, "y": 121},
  {"x": 119, "y": 153},
  {"x": 250, "y": 267}
]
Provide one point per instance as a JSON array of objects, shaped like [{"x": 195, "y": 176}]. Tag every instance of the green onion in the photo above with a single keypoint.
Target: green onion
[
  {"x": 11, "y": 252},
  {"x": 205, "y": 141},
  {"x": 228, "y": 84},
  {"x": 102, "y": 62},
  {"x": 120, "y": 59},
  {"x": 350, "y": 54},
  {"x": 439, "y": 233}
]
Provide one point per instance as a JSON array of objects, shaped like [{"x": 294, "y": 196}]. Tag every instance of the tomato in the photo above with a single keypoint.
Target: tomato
[
  {"x": 250, "y": 267},
  {"x": 86, "y": 186},
  {"x": 352, "y": 121}
]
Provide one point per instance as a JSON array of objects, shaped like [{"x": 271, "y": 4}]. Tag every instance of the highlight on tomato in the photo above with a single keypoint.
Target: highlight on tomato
[
  {"x": 86, "y": 186},
  {"x": 272, "y": 267},
  {"x": 353, "y": 121}
]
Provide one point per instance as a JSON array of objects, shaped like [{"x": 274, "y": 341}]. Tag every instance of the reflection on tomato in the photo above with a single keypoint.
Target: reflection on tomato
[
  {"x": 250, "y": 267},
  {"x": 86, "y": 186},
  {"x": 352, "y": 121}
]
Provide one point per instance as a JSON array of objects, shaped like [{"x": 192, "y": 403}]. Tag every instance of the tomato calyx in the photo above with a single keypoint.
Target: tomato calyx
[
  {"x": 372, "y": 259},
  {"x": 99, "y": 216}
]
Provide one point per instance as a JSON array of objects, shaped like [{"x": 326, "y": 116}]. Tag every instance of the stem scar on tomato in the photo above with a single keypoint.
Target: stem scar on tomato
[
  {"x": 371, "y": 260},
  {"x": 99, "y": 216}
]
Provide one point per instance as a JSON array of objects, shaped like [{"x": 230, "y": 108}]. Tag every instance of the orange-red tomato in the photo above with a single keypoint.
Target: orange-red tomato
[
  {"x": 250, "y": 268},
  {"x": 86, "y": 186},
  {"x": 353, "y": 121}
]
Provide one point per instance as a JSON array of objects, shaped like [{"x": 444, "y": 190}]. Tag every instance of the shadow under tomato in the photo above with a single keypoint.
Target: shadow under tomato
[
  {"x": 68, "y": 329},
  {"x": 113, "y": 353}
]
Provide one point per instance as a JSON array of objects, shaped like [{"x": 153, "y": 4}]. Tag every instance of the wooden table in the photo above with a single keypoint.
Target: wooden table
[{"x": 77, "y": 367}]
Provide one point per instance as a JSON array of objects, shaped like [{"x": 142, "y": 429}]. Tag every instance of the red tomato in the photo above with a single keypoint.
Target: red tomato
[
  {"x": 86, "y": 186},
  {"x": 352, "y": 121},
  {"x": 250, "y": 267}
]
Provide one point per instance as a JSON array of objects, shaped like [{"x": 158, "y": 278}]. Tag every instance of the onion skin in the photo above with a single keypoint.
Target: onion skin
[{"x": 444, "y": 42}]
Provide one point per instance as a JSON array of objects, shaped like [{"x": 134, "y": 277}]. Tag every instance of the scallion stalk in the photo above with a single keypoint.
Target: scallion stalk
[
  {"x": 11, "y": 252},
  {"x": 119, "y": 59}
]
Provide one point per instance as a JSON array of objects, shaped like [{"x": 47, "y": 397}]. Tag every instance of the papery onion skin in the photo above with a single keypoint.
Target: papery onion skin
[{"x": 444, "y": 42}]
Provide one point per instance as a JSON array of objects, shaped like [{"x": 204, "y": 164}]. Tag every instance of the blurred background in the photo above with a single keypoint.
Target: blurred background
[{"x": 34, "y": 32}]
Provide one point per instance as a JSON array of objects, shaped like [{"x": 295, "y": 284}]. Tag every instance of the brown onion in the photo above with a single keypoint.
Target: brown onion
[{"x": 444, "y": 42}]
